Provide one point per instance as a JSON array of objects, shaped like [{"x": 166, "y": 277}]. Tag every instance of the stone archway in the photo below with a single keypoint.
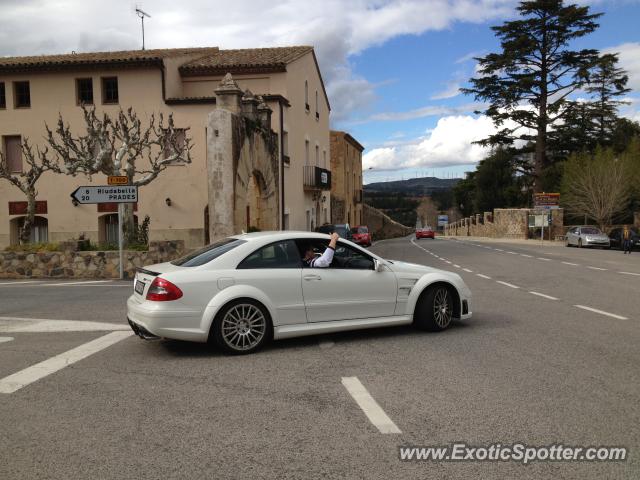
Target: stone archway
[{"x": 242, "y": 163}]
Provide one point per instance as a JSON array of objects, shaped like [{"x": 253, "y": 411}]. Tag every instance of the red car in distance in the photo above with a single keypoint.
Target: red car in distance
[
  {"x": 361, "y": 235},
  {"x": 426, "y": 232}
]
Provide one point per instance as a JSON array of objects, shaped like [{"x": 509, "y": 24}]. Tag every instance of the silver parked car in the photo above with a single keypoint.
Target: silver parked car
[{"x": 587, "y": 237}]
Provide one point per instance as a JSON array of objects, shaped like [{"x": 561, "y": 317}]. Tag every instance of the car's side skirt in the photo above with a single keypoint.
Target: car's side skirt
[{"x": 316, "y": 328}]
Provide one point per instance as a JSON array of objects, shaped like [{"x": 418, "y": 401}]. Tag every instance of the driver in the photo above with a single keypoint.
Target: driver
[{"x": 310, "y": 260}]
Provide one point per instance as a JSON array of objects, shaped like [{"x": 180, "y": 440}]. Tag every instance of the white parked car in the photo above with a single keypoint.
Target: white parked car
[
  {"x": 587, "y": 237},
  {"x": 245, "y": 290}
]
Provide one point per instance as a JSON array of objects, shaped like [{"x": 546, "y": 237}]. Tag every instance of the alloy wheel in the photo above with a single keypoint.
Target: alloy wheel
[
  {"x": 243, "y": 327},
  {"x": 442, "y": 311}
]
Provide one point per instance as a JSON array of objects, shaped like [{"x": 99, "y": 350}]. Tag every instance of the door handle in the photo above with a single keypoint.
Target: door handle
[{"x": 308, "y": 278}]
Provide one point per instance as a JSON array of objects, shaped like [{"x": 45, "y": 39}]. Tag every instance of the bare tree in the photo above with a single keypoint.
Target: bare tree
[
  {"x": 597, "y": 186},
  {"x": 26, "y": 180},
  {"x": 123, "y": 146}
]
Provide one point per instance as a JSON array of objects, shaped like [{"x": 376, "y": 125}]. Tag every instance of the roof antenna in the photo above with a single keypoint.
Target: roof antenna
[{"x": 141, "y": 13}]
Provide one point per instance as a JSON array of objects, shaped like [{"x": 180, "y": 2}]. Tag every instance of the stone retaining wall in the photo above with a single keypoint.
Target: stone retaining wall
[
  {"x": 69, "y": 263},
  {"x": 382, "y": 226},
  {"x": 504, "y": 223}
]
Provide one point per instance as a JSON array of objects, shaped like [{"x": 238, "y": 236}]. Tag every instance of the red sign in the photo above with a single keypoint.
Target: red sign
[
  {"x": 546, "y": 199},
  {"x": 112, "y": 207},
  {"x": 20, "y": 208}
]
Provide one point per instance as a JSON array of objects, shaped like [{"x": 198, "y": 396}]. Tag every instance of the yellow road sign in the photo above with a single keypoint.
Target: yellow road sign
[{"x": 117, "y": 180}]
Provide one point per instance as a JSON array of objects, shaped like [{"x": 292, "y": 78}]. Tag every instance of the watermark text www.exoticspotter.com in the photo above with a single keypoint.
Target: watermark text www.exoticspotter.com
[{"x": 516, "y": 452}]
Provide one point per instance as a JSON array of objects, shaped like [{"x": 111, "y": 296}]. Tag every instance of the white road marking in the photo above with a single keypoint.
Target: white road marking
[
  {"x": 5, "y": 339},
  {"x": 545, "y": 259},
  {"x": 21, "y": 283},
  {"x": 630, "y": 273},
  {"x": 455, "y": 265},
  {"x": 525, "y": 255},
  {"x": 548, "y": 297},
  {"x": 47, "y": 325},
  {"x": 369, "y": 406},
  {"x": 483, "y": 276},
  {"x": 447, "y": 261},
  {"x": 507, "y": 284},
  {"x": 76, "y": 283},
  {"x": 513, "y": 253},
  {"x": 498, "y": 250},
  {"x": 572, "y": 264},
  {"x": 467, "y": 270},
  {"x": 31, "y": 374},
  {"x": 596, "y": 268},
  {"x": 601, "y": 312}
]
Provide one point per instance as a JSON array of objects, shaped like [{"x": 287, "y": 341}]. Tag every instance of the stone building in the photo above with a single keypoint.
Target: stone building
[
  {"x": 346, "y": 189},
  {"x": 289, "y": 191}
]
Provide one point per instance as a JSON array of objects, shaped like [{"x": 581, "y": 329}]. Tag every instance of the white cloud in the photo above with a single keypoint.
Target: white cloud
[
  {"x": 449, "y": 143},
  {"x": 452, "y": 90},
  {"x": 629, "y": 59},
  {"x": 426, "y": 111},
  {"x": 337, "y": 28}
]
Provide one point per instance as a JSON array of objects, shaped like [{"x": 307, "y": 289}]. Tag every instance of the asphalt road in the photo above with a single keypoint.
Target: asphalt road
[{"x": 534, "y": 366}]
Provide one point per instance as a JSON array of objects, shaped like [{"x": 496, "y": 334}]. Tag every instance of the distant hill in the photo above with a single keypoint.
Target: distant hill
[{"x": 412, "y": 186}]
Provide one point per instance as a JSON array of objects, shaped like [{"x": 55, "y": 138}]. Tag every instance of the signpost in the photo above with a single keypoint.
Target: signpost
[
  {"x": 443, "y": 220},
  {"x": 117, "y": 180},
  {"x": 115, "y": 192}
]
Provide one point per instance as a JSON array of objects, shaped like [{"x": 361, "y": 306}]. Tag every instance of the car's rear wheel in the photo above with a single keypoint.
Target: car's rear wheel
[
  {"x": 242, "y": 326},
  {"x": 434, "y": 311}
]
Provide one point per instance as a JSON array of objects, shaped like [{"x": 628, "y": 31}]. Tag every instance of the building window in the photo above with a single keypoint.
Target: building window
[
  {"x": 317, "y": 156},
  {"x": 110, "y": 90},
  {"x": 3, "y": 96},
  {"x": 324, "y": 159},
  {"x": 306, "y": 95},
  {"x": 22, "y": 95},
  {"x": 84, "y": 91},
  {"x": 13, "y": 153},
  {"x": 39, "y": 230},
  {"x": 306, "y": 152},
  {"x": 317, "y": 111},
  {"x": 178, "y": 142}
]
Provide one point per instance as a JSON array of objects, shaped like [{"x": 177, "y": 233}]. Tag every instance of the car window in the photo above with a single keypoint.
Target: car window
[
  {"x": 590, "y": 231},
  {"x": 363, "y": 230},
  {"x": 208, "y": 253},
  {"x": 347, "y": 257},
  {"x": 283, "y": 254}
]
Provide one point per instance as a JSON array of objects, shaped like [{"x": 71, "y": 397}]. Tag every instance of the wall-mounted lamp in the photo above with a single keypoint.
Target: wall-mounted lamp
[
  {"x": 75, "y": 202},
  {"x": 168, "y": 201}
]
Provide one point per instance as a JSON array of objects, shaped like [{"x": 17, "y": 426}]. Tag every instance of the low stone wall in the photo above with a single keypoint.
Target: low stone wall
[
  {"x": 504, "y": 223},
  {"x": 69, "y": 263},
  {"x": 382, "y": 226}
]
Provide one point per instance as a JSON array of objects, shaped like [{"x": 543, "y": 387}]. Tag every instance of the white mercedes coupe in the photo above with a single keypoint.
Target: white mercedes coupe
[{"x": 244, "y": 290}]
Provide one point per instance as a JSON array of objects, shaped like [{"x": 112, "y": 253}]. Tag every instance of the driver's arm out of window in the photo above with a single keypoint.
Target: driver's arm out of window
[{"x": 325, "y": 260}]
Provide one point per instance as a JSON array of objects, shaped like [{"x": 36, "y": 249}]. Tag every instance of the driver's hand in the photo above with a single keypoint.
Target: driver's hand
[{"x": 335, "y": 236}]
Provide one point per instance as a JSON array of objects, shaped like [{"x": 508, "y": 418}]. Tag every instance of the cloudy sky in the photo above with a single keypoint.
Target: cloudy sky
[{"x": 392, "y": 67}]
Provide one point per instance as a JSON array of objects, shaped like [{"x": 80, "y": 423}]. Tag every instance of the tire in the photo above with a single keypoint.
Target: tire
[
  {"x": 241, "y": 327},
  {"x": 429, "y": 314}
]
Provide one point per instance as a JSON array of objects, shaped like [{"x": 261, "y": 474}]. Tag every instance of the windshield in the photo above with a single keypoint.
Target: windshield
[
  {"x": 360, "y": 230},
  {"x": 208, "y": 253},
  {"x": 590, "y": 231}
]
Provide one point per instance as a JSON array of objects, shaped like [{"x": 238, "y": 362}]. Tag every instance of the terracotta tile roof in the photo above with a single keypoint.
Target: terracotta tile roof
[
  {"x": 245, "y": 59},
  {"x": 99, "y": 58}
]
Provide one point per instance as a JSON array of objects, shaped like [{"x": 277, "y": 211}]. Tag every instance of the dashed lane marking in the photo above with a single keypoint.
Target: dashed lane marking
[
  {"x": 572, "y": 264},
  {"x": 31, "y": 374},
  {"x": 511, "y": 285},
  {"x": 525, "y": 255},
  {"x": 467, "y": 270},
  {"x": 21, "y": 282},
  {"x": 596, "y": 268},
  {"x": 455, "y": 265},
  {"x": 483, "y": 276},
  {"x": 5, "y": 339},
  {"x": 545, "y": 259},
  {"x": 630, "y": 273},
  {"x": 369, "y": 406},
  {"x": 548, "y": 297},
  {"x": 601, "y": 312}
]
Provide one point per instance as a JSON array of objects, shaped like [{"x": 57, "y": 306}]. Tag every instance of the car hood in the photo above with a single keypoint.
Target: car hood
[{"x": 596, "y": 236}]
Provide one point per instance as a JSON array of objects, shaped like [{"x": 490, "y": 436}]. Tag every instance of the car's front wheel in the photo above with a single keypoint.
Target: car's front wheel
[
  {"x": 242, "y": 326},
  {"x": 434, "y": 311}
]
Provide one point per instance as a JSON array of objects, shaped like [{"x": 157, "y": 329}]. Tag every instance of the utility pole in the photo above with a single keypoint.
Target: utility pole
[{"x": 142, "y": 14}]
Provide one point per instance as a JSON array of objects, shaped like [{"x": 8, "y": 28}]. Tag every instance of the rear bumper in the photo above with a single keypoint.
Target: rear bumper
[{"x": 155, "y": 320}]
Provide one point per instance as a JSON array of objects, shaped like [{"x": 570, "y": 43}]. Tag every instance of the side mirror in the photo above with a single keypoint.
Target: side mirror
[{"x": 378, "y": 265}]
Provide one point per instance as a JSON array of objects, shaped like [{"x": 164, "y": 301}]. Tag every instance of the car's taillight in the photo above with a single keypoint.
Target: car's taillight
[{"x": 162, "y": 290}]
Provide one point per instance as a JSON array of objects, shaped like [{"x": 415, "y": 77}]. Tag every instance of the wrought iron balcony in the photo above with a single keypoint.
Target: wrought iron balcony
[{"x": 316, "y": 178}]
